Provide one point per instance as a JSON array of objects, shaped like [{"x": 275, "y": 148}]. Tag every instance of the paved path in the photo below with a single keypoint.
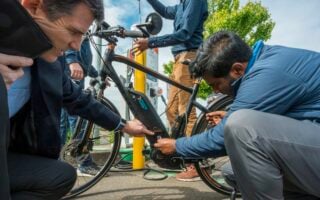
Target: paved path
[{"x": 132, "y": 186}]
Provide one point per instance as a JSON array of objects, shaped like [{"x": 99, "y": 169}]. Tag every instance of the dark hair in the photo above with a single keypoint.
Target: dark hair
[
  {"x": 218, "y": 53},
  {"x": 59, "y": 8}
]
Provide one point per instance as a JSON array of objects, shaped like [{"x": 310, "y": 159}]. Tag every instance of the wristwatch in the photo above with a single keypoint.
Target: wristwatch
[{"x": 121, "y": 125}]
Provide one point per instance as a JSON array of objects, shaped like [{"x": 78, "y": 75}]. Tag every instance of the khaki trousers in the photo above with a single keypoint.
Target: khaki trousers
[{"x": 178, "y": 99}]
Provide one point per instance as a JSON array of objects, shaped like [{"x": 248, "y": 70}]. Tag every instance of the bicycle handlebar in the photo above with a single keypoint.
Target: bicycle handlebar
[
  {"x": 133, "y": 34},
  {"x": 118, "y": 31},
  {"x": 152, "y": 26}
]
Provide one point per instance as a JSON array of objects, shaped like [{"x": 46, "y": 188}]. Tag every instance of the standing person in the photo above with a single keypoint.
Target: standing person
[
  {"x": 189, "y": 17},
  {"x": 78, "y": 66},
  {"x": 32, "y": 169},
  {"x": 273, "y": 124}
]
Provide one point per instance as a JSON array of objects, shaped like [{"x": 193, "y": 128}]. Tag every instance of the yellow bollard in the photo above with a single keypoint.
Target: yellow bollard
[
  {"x": 138, "y": 158},
  {"x": 138, "y": 142}
]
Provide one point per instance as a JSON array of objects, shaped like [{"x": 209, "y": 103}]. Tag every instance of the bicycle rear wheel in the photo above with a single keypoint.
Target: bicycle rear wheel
[
  {"x": 101, "y": 151},
  {"x": 209, "y": 169}
]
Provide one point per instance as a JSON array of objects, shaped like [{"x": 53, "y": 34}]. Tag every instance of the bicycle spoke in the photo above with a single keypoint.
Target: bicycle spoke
[
  {"x": 92, "y": 159},
  {"x": 210, "y": 169}
]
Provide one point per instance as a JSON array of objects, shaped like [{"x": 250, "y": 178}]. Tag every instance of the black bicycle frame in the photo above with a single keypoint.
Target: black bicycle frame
[{"x": 109, "y": 71}]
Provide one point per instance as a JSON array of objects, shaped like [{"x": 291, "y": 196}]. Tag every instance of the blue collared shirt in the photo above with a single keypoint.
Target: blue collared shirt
[
  {"x": 19, "y": 93},
  {"x": 188, "y": 16}
]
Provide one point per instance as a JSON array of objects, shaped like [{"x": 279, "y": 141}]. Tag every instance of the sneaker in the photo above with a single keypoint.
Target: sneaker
[
  {"x": 90, "y": 170},
  {"x": 190, "y": 174}
]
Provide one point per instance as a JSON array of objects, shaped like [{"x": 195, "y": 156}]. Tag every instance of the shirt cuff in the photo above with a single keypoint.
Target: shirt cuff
[
  {"x": 70, "y": 61},
  {"x": 180, "y": 144},
  {"x": 120, "y": 125},
  {"x": 152, "y": 42}
]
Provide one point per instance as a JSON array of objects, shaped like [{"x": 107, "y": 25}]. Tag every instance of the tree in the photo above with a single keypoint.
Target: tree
[
  {"x": 252, "y": 22},
  {"x": 168, "y": 67}
]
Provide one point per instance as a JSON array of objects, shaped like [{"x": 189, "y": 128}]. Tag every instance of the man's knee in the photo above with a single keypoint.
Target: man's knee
[
  {"x": 236, "y": 128},
  {"x": 235, "y": 122},
  {"x": 69, "y": 175},
  {"x": 64, "y": 180}
]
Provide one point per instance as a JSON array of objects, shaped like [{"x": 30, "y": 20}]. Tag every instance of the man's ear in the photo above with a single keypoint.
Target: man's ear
[
  {"x": 31, "y": 5},
  {"x": 238, "y": 69}
]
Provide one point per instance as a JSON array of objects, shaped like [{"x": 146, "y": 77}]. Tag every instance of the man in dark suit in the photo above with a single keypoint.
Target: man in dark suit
[
  {"x": 35, "y": 128},
  {"x": 43, "y": 90}
]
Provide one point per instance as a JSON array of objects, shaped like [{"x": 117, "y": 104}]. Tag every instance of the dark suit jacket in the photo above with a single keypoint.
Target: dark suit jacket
[{"x": 36, "y": 127}]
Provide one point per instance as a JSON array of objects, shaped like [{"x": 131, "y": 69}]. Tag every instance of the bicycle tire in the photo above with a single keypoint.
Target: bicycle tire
[
  {"x": 207, "y": 169},
  {"x": 76, "y": 190}
]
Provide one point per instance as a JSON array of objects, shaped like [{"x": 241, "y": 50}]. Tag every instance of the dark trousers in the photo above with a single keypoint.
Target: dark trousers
[
  {"x": 39, "y": 178},
  {"x": 31, "y": 177},
  {"x": 4, "y": 124}
]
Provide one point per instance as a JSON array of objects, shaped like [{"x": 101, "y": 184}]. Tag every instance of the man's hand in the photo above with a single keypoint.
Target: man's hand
[
  {"x": 76, "y": 71},
  {"x": 140, "y": 45},
  {"x": 136, "y": 128},
  {"x": 215, "y": 117},
  {"x": 11, "y": 67},
  {"x": 166, "y": 145}
]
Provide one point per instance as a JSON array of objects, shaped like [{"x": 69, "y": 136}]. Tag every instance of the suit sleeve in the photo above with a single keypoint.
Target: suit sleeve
[{"x": 72, "y": 56}]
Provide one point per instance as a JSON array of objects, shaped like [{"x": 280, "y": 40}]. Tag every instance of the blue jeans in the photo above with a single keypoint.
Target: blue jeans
[{"x": 69, "y": 121}]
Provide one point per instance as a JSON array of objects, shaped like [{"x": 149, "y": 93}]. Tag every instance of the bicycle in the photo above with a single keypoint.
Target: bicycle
[{"x": 86, "y": 142}]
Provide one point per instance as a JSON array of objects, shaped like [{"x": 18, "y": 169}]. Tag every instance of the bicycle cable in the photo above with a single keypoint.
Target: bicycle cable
[
  {"x": 97, "y": 50},
  {"x": 100, "y": 56},
  {"x": 128, "y": 169},
  {"x": 126, "y": 166},
  {"x": 169, "y": 106}
]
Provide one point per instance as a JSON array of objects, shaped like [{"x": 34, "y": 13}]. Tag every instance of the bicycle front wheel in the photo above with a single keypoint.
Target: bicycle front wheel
[
  {"x": 96, "y": 157},
  {"x": 209, "y": 169}
]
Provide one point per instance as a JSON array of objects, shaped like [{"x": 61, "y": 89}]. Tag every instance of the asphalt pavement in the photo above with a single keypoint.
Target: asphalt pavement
[{"x": 132, "y": 186}]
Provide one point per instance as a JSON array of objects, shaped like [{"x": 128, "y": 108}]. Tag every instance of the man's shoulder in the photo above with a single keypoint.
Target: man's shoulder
[{"x": 279, "y": 50}]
